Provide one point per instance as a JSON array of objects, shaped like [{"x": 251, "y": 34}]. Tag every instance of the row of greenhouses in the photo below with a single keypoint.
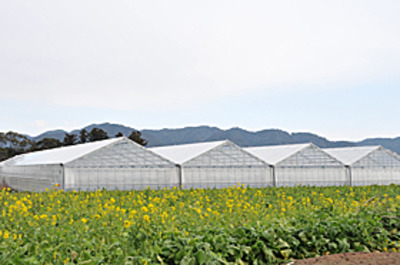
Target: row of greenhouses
[{"x": 122, "y": 164}]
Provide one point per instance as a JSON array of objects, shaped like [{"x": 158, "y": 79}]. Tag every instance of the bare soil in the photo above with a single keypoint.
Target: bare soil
[{"x": 375, "y": 258}]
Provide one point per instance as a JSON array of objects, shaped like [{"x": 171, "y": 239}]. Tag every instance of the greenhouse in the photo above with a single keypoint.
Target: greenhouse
[
  {"x": 302, "y": 164},
  {"x": 368, "y": 165},
  {"x": 217, "y": 165},
  {"x": 117, "y": 163}
]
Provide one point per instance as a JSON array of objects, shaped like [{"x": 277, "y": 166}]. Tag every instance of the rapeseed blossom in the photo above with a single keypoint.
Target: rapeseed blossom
[{"x": 108, "y": 221}]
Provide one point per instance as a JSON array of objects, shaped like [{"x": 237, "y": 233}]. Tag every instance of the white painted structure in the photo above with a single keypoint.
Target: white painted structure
[
  {"x": 217, "y": 165},
  {"x": 368, "y": 165},
  {"x": 122, "y": 164},
  {"x": 117, "y": 163},
  {"x": 302, "y": 164}
]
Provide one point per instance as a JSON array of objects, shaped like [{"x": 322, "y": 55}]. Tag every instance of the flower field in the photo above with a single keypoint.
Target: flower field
[{"x": 237, "y": 225}]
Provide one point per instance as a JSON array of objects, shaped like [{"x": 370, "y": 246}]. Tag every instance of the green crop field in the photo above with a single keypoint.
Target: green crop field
[{"x": 237, "y": 225}]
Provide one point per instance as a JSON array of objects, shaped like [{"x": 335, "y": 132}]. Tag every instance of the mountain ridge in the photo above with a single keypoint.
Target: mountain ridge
[{"x": 237, "y": 135}]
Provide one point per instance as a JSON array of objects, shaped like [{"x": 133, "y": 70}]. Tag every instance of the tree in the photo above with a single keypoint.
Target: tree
[
  {"x": 3, "y": 154},
  {"x": 136, "y": 136},
  {"x": 3, "y": 139},
  {"x": 20, "y": 143},
  {"x": 97, "y": 134},
  {"x": 120, "y": 134},
  {"x": 48, "y": 143},
  {"x": 12, "y": 143},
  {"x": 83, "y": 136},
  {"x": 69, "y": 139}
]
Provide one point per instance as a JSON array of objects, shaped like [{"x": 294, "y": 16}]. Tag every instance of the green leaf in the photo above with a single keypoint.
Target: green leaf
[{"x": 286, "y": 253}]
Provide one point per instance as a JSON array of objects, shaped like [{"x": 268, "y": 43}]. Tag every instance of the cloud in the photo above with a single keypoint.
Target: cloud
[{"x": 155, "y": 55}]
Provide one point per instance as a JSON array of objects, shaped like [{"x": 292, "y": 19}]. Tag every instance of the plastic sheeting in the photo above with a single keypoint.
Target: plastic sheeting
[
  {"x": 217, "y": 165},
  {"x": 303, "y": 164},
  {"x": 112, "y": 164},
  {"x": 369, "y": 165},
  {"x": 122, "y": 164}
]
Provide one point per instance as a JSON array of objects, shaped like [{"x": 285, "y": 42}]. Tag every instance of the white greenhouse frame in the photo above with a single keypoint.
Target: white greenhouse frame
[
  {"x": 117, "y": 163},
  {"x": 369, "y": 165},
  {"x": 302, "y": 164},
  {"x": 218, "y": 164}
]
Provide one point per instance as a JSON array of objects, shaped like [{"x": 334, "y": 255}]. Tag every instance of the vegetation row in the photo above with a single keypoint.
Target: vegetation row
[{"x": 237, "y": 225}]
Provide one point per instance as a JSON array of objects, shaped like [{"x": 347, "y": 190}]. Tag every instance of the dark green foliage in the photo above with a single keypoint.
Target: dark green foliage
[
  {"x": 69, "y": 139},
  {"x": 119, "y": 134},
  {"x": 12, "y": 143},
  {"x": 47, "y": 143},
  {"x": 97, "y": 134},
  {"x": 136, "y": 136},
  {"x": 83, "y": 136}
]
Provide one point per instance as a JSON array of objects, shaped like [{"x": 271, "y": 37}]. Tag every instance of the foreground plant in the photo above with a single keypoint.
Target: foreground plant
[{"x": 237, "y": 225}]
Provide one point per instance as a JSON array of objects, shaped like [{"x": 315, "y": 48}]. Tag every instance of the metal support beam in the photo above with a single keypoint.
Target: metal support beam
[
  {"x": 63, "y": 176},
  {"x": 180, "y": 176},
  {"x": 349, "y": 174},
  {"x": 274, "y": 180}
]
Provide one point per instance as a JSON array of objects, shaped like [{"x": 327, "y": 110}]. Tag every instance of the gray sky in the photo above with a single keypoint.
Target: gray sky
[{"x": 328, "y": 67}]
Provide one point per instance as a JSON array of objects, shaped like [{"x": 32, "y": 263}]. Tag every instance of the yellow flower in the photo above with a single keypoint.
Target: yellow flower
[
  {"x": 84, "y": 220},
  {"x": 146, "y": 218},
  {"x": 127, "y": 224}
]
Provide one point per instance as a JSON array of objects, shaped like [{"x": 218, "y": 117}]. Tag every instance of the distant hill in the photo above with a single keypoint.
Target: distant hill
[
  {"x": 111, "y": 129},
  {"x": 239, "y": 136}
]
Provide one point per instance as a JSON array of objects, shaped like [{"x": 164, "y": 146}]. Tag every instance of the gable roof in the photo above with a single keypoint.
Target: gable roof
[
  {"x": 276, "y": 153},
  {"x": 350, "y": 155},
  {"x": 180, "y": 154},
  {"x": 60, "y": 155}
]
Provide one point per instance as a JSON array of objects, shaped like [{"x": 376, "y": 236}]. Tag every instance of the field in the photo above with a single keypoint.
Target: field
[{"x": 237, "y": 225}]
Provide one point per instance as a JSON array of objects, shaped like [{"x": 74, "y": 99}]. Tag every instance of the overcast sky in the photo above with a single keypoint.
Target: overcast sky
[{"x": 327, "y": 67}]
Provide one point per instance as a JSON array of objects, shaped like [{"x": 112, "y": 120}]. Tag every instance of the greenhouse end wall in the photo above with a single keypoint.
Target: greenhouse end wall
[
  {"x": 32, "y": 177},
  {"x": 124, "y": 165},
  {"x": 224, "y": 166},
  {"x": 380, "y": 167}
]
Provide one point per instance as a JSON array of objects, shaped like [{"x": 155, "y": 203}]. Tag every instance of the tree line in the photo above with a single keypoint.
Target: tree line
[{"x": 12, "y": 143}]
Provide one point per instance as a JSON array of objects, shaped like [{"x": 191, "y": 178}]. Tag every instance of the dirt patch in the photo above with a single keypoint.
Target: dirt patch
[{"x": 375, "y": 258}]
